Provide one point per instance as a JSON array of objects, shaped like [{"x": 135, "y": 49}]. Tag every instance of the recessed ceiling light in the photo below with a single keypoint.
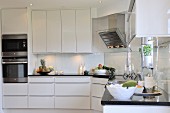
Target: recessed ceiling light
[
  {"x": 100, "y": 1},
  {"x": 31, "y": 4}
]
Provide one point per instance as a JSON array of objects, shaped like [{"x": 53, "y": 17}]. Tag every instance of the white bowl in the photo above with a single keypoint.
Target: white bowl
[
  {"x": 100, "y": 72},
  {"x": 121, "y": 93}
]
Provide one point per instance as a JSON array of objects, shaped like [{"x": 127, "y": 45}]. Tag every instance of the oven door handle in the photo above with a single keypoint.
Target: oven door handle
[{"x": 14, "y": 62}]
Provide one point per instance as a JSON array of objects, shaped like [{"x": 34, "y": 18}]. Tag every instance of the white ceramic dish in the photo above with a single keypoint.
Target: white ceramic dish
[
  {"x": 119, "y": 92},
  {"x": 100, "y": 72}
]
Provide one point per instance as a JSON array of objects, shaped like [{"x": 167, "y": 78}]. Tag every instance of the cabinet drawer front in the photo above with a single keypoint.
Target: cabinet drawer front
[
  {"x": 41, "y": 79},
  {"x": 72, "y": 79},
  {"x": 97, "y": 90},
  {"x": 96, "y": 104},
  {"x": 15, "y": 101},
  {"x": 72, "y": 89},
  {"x": 72, "y": 102},
  {"x": 41, "y": 102},
  {"x": 15, "y": 89},
  {"x": 41, "y": 89},
  {"x": 99, "y": 80}
]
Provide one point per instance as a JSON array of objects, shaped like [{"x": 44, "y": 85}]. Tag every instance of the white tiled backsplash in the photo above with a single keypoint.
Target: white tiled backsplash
[{"x": 69, "y": 63}]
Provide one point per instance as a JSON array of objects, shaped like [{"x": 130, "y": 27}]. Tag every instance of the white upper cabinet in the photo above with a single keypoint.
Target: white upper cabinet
[
  {"x": 83, "y": 31},
  {"x": 46, "y": 27},
  {"x": 53, "y": 31},
  {"x": 14, "y": 21},
  {"x": 68, "y": 31},
  {"x": 152, "y": 18},
  {"x": 39, "y": 31}
]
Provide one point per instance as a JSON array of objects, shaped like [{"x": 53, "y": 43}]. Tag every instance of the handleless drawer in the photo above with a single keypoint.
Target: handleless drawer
[
  {"x": 40, "y": 79},
  {"x": 41, "y": 89},
  {"x": 72, "y": 89},
  {"x": 99, "y": 80},
  {"x": 72, "y": 102},
  {"x": 41, "y": 102},
  {"x": 72, "y": 79},
  {"x": 15, "y": 101},
  {"x": 15, "y": 89},
  {"x": 96, "y": 104},
  {"x": 97, "y": 90}
]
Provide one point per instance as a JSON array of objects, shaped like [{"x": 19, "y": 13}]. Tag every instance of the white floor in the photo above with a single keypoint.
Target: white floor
[{"x": 47, "y": 111}]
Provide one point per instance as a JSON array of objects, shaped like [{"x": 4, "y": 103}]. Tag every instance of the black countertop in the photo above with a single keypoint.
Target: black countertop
[
  {"x": 96, "y": 76},
  {"x": 162, "y": 100}
]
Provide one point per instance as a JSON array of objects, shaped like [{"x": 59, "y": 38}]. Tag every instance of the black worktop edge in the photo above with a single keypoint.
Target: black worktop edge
[{"x": 96, "y": 76}]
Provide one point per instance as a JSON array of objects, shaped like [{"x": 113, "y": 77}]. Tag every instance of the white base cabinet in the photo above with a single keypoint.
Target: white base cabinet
[
  {"x": 41, "y": 92},
  {"x": 41, "y": 89},
  {"x": 57, "y": 92},
  {"x": 41, "y": 102},
  {"x": 71, "y": 102},
  {"x": 72, "y": 92},
  {"x": 15, "y": 95},
  {"x": 15, "y": 101},
  {"x": 98, "y": 88}
]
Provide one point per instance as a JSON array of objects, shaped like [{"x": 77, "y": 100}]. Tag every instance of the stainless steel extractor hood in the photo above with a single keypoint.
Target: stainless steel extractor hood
[{"x": 114, "y": 36}]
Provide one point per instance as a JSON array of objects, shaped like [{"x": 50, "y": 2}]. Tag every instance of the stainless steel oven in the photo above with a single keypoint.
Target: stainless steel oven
[
  {"x": 15, "y": 69},
  {"x": 14, "y": 58},
  {"x": 14, "y": 45}
]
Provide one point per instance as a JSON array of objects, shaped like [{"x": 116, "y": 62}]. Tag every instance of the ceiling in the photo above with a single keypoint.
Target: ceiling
[{"x": 60, "y": 4}]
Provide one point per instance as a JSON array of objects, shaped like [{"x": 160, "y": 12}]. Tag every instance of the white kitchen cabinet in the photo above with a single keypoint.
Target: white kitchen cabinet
[
  {"x": 41, "y": 89},
  {"x": 53, "y": 31},
  {"x": 14, "y": 21},
  {"x": 15, "y": 101},
  {"x": 152, "y": 18},
  {"x": 41, "y": 92},
  {"x": 42, "y": 79},
  {"x": 72, "y": 79},
  {"x": 72, "y": 102},
  {"x": 68, "y": 31},
  {"x": 46, "y": 28},
  {"x": 15, "y": 95},
  {"x": 83, "y": 31},
  {"x": 97, "y": 90},
  {"x": 15, "y": 89},
  {"x": 72, "y": 92},
  {"x": 41, "y": 102},
  {"x": 39, "y": 31},
  {"x": 72, "y": 89},
  {"x": 96, "y": 104}
]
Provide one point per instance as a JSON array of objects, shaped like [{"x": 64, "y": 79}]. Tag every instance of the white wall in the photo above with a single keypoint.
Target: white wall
[
  {"x": 69, "y": 63},
  {"x": 113, "y": 6}
]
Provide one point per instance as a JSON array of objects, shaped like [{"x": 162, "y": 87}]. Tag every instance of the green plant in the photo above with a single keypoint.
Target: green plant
[{"x": 146, "y": 50}]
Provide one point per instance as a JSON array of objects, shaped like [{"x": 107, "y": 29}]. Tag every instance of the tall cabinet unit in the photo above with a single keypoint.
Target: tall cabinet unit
[
  {"x": 152, "y": 18},
  {"x": 46, "y": 28},
  {"x": 14, "y": 21},
  {"x": 68, "y": 31},
  {"x": 83, "y": 31}
]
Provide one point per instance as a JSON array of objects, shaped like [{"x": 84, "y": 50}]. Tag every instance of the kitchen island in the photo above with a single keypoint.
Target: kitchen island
[{"x": 139, "y": 104}]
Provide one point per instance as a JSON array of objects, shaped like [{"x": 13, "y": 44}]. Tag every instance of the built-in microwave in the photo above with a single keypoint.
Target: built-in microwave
[{"x": 14, "y": 45}]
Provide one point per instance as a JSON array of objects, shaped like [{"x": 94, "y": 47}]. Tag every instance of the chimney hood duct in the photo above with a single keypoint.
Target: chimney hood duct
[{"x": 114, "y": 36}]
